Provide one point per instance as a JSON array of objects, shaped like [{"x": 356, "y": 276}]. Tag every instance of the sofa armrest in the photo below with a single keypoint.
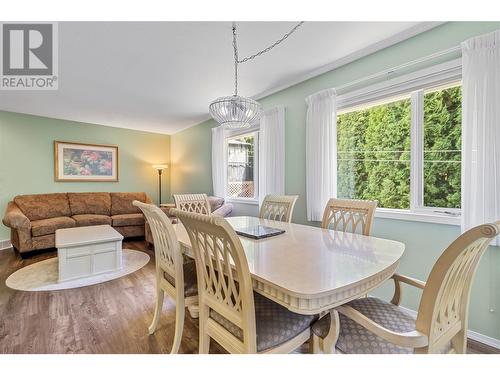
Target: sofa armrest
[
  {"x": 15, "y": 219},
  {"x": 224, "y": 210}
]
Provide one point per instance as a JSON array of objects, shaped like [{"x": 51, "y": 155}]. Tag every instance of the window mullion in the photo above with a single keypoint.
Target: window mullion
[{"x": 417, "y": 150}]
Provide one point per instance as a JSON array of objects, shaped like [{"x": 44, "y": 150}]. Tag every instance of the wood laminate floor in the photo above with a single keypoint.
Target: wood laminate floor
[{"x": 112, "y": 317}]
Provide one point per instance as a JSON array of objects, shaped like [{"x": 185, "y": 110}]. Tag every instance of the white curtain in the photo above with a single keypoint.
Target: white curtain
[
  {"x": 481, "y": 130},
  {"x": 272, "y": 153},
  {"x": 321, "y": 152},
  {"x": 219, "y": 161}
]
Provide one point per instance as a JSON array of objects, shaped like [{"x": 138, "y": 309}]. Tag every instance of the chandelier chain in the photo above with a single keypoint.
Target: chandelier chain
[
  {"x": 235, "y": 47},
  {"x": 267, "y": 49},
  {"x": 251, "y": 57}
]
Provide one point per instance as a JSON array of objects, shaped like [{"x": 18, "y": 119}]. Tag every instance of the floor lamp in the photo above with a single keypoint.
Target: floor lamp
[{"x": 159, "y": 168}]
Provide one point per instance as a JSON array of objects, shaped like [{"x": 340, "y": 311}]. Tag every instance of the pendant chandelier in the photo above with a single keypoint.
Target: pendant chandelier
[{"x": 237, "y": 111}]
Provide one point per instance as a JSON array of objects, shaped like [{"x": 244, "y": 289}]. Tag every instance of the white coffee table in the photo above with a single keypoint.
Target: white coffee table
[{"x": 88, "y": 251}]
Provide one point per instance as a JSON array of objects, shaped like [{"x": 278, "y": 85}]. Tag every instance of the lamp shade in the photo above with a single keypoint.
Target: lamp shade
[{"x": 160, "y": 167}]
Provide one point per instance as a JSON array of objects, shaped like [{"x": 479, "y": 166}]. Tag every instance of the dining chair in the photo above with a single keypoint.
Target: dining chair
[
  {"x": 371, "y": 325},
  {"x": 349, "y": 215},
  {"x": 231, "y": 313},
  {"x": 173, "y": 276},
  {"x": 192, "y": 203},
  {"x": 278, "y": 207}
]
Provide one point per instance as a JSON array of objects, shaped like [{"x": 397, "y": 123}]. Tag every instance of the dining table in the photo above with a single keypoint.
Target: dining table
[{"x": 311, "y": 270}]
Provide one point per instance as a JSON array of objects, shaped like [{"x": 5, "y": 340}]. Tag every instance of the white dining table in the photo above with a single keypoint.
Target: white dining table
[{"x": 310, "y": 270}]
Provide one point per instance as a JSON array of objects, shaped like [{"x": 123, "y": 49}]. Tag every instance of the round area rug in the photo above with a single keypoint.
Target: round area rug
[{"x": 42, "y": 276}]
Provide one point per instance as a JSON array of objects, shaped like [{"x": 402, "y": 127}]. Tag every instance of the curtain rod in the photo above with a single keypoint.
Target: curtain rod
[{"x": 399, "y": 67}]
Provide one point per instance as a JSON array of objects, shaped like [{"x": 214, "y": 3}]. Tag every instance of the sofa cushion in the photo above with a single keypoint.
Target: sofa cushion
[
  {"x": 127, "y": 219},
  {"x": 43, "y": 206},
  {"x": 90, "y": 203},
  {"x": 131, "y": 230},
  {"x": 121, "y": 203},
  {"x": 215, "y": 203},
  {"x": 89, "y": 219},
  {"x": 49, "y": 226},
  {"x": 43, "y": 242}
]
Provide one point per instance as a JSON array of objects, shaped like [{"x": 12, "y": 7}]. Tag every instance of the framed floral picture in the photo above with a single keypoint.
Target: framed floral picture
[{"x": 85, "y": 162}]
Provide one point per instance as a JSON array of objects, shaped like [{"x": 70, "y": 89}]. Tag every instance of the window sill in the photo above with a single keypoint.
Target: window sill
[
  {"x": 425, "y": 217},
  {"x": 243, "y": 200}
]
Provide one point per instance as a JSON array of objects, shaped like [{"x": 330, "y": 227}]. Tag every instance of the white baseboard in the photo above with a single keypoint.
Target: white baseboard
[
  {"x": 5, "y": 244},
  {"x": 479, "y": 337}
]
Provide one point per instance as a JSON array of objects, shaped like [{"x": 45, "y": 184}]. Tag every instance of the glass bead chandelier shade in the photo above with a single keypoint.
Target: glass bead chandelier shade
[{"x": 235, "y": 111}]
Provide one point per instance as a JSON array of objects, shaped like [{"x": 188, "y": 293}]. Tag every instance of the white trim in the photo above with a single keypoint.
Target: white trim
[
  {"x": 390, "y": 71},
  {"x": 5, "y": 244},
  {"x": 420, "y": 216},
  {"x": 243, "y": 200},
  {"x": 479, "y": 337},
  {"x": 435, "y": 75},
  {"x": 487, "y": 340},
  {"x": 417, "y": 150},
  {"x": 371, "y": 49},
  {"x": 233, "y": 133}
]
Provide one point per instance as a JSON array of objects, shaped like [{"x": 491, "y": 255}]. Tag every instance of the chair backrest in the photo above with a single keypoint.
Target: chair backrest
[
  {"x": 168, "y": 254},
  {"x": 224, "y": 282},
  {"x": 444, "y": 307},
  {"x": 349, "y": 215},
  {"x": 197, "y": 203},
  {"x": 278, "y": 207}
]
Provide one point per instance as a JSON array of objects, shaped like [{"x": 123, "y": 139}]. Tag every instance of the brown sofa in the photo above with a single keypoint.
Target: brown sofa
[{"x": 33, "y": 219}]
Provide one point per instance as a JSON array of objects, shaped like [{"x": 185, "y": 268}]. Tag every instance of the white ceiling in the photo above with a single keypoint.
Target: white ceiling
[{"x": 161, "y": 76}]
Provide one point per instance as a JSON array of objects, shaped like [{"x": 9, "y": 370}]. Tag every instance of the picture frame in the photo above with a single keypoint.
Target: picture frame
[{"x": 85, "y": 162}]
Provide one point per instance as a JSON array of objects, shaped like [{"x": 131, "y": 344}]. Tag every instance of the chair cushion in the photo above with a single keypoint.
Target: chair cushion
[
  {"x": 121, "y": 203},
  {"x": 127, "y": 219},
  {"x": 90, "y": 203},
  {"x": 49, "y": 226},
  {"x": 87, "y": 220},
  {"x": 190, "y": 283},
  {"x": 43, "y": 206},
  {"x": 275, "y": 324},
  {"x": 355, "y": 339}
]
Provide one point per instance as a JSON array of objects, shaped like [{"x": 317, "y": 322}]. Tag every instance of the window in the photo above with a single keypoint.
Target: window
[
  {"x": 242, "y": 151},
  {"x": 404, "y": 151},
  {"x": 442, "y": 147},
  {"x": 373, "y": 148}
]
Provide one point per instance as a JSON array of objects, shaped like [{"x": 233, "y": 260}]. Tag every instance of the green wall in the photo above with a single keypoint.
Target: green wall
[
  {"x": 191, "y": 169},
  {"x": 27, "y": 157}
]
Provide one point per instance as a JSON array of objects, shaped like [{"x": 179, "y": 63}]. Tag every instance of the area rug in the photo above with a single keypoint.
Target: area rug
[{"x": 42, "y": 276}]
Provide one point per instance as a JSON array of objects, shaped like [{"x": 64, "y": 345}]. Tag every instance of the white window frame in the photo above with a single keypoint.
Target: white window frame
[
  {"x": 413, "y": 84},
  {"x": 235, "y": 133}
]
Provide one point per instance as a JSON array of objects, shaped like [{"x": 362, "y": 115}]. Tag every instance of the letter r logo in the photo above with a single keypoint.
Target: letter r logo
[{"x": 27, "y": 49}]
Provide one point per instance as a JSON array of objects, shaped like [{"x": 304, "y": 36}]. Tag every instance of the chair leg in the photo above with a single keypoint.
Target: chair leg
[
  {"x": 204, "y": 340},
  {"x": 159, "y": 305},
  {"x": 179, "y": 328},
  {"x": 330, "y": 340},
  {"x": 459, "y": 342},
  {"x": 315, "y": 345}
]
